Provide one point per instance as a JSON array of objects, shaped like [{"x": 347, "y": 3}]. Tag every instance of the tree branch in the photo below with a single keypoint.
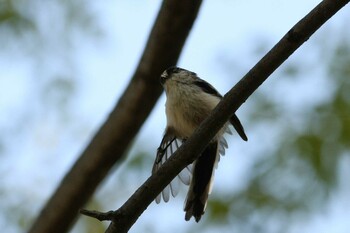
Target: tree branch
[
  {"x": 127, "y": 214},
  {"x": 110, "y": 143}
]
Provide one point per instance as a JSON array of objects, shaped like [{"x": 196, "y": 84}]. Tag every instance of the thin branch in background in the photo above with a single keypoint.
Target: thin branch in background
[
  {"x": 109, "y": 145},
  {"x": 126, "y": 215}
]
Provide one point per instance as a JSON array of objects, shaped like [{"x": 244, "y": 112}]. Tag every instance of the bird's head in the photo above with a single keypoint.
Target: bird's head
[{"x": 178, "y": 75}]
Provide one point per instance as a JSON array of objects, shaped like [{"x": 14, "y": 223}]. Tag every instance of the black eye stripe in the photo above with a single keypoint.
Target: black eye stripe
[{"x": 173, "y": 70}]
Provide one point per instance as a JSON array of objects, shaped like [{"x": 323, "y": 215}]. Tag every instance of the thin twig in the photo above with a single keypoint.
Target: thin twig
[{"x": 98, "y": 215}]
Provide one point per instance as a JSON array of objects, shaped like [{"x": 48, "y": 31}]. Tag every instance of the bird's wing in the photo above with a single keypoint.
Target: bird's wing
[
  {"x": 209, "y": 89},
  {"x": 238, "y": 127},
  {"x": 167, "y": 147},
  {"x": 206, "y": 87}
]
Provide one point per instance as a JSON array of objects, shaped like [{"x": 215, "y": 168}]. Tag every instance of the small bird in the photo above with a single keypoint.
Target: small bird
[{"x": 190, "y": 101}]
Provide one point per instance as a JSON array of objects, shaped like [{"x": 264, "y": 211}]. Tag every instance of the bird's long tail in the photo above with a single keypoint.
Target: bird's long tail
[{"x": 201, "y": 183}]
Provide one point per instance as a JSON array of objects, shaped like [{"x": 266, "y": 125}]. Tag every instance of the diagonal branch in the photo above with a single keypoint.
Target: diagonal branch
[
  {"x": 110, "y": 143},
  {"x": 127, "y": 214}
]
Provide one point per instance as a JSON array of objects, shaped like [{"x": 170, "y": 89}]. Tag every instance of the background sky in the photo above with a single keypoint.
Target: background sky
[{"x": 58, "y": 87}]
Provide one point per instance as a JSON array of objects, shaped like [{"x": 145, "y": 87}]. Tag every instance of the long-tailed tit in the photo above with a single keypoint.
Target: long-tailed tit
[{"x": 189, "y": 101}]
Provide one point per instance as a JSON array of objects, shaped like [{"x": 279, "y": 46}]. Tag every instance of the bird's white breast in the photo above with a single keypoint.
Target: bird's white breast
[
  {"x": 186, "y": 110},
  {"x": 176, "y": 119}
]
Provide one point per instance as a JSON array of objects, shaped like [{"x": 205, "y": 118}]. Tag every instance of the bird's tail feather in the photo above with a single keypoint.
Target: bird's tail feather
[{"x": 200, "y": 186}]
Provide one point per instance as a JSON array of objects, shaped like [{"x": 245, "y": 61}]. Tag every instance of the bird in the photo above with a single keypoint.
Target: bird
[{"x": 189, "y": 101}]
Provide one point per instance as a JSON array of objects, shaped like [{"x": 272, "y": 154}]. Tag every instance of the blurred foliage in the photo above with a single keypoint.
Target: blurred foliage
[
  {"x": 45, "y": 34},
  {"x": 12, "y": 19},
  {"x": 292, "y": 179},
  {"x": 139, "y": 160},
  {"x": 301, "y": 172},
  {"x": 39, "y": 40},
  {"x": 31, "y": 19}
]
